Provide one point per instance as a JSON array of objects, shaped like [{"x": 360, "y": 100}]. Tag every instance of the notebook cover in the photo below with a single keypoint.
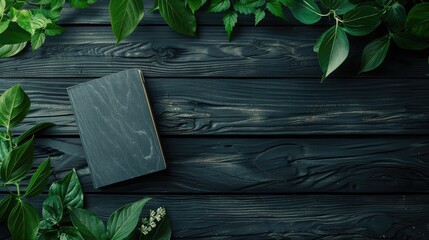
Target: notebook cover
[{"x": 116, "y": 126}]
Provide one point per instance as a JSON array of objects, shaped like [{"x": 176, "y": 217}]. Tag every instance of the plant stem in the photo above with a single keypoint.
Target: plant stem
[{"x": 17, "y": 189}]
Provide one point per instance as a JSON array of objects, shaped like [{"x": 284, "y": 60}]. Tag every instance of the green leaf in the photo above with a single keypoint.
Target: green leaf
[
  {"x": 259, "y": 16},
  {"x": 4, "y": 25},
  {"x": 125, "y": 15},
  {"x": 333, "y": 50},
  {"x": 6, "y": 206},
  {"x": 319, "y": 40},
  {"x": 178, "y": 17},
  {"x": 39, "y": 21},
  {"x": 70, "y": 233},
  {"x": 24, "y": 19},
  {"x": 229, "y": 20},
  {"x": 194, "y": 5},
  {"x": 18, "y": 163},
  {"x": 339, "y": 6},
  {"x": 32, "y": 131},
  {"x": 11, "y": 49},
  {"x": 306, "y": 11},
  {"x": 53, "y": 29},
  {"x": 219, "y": 5},
  {"x": 52, "y": 211},
  {"x": 14, "y": 34},
  {"x": 417, "y": 22},
  {"x": 124, "y": 220},
  {"x": 57, "y": 4},
  {"x": 23, "y": 221},
  {"x": 374, "y": 53},
  {"x": 395, "y": 17},
  {"x": 4, "y": 147},
  {"x": 275, "y": 8},
  {"x": 14, "y": 106},
  {"x": 37, "y": 40},
  {"x": 362, "y": 20},
  {"x": 81, "y": 3},
  {"x": 408, "y": 41},
  {"x": 69, "y": 190},
  {"x": 2, "y": 7},
  {"x": 162, "y": 231},
  {"x": 53, "y": 15},
  {"x": 245, "y": 7},
  {"x": 39, "y": 180},
  {"x": 48, "y": 235},
  {"x": 89, "y": 225}
]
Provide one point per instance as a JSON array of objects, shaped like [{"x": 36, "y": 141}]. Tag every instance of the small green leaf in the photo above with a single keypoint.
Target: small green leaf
[
  {"x": 275, "y": 8},
  {"x": 259, "y": 16},
  {"x": 333, "y": 50},
  {"x": 306, "y": 11},
  {"x": 395, "y": 17},
  {"x": 219, "y": 5},
  {"x": 14, "y": 106},
  {"x": 53, "y": 29},
  {"x": 2, "y": 7},
  {"x": 408, "y": 41},
  {"x": 4, "y": 25},
  {"x": 362, "y": 20},
  {"x": 6, "y": 206},
  {"x": 37, "y": 40},
  {"x": 32, "y": 131},
  {"x": 23, "y": 221},
  {"x": 52, "y": 15},
  {"x": 39, "y": 180},
  {"x": 70, "y": 233},
  {"x": 81, "y": 3},
  {"x": 229, "y": 20},
  {"x": 194, "y": 5},
  {"x": 18, "y": 163},
  {"x": 57, "y": 4},
  {"x": 14, "y": 34},
  {"x": 39, "y": 21},
  {"x": 124, "y": 220},
  {"x": 245, "y": 7},
  {"x": 417, "y": 22},
  {"x": 10, "y": 50},
  {"x": 125, "y": 16},
  {"x": 88, "y": 224},
  {"x": 178, "y": 17},
  {"x": 24, "y": 20},
  {"x": 69, "y": 190},
  {"x": 374, "y": 53},
  {"x": 52, "y": 211}
]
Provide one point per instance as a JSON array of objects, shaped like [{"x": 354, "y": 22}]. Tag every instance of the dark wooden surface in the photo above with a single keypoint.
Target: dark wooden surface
[{"x": 256, "y": 147}]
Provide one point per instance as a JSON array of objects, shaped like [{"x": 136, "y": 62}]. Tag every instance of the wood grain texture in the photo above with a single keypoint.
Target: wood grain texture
[
  {"x": 275, "y": 217},
  {"x": 89, "y": 51},
  {"x": 207, "y": 165},
  {"x": 302, "y": 106},
  {"x": 116, "y": 126}
]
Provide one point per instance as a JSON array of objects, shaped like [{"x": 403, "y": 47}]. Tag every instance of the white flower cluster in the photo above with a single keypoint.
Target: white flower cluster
[{"x": 154, "y": 217}]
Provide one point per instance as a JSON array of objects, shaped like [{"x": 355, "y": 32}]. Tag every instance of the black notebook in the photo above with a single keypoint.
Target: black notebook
[{"x": 117, "y": 128}]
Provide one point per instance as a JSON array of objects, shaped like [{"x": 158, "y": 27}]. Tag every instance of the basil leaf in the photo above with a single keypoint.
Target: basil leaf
[
  {"x": 18, "y": 163},
  {"x": 275, "y": 8},
  {"x": 306, "y": 11},
  {"x": 194, "y": 5},
  {"x": 124, "y": 220},
  {"x": 4, "y": 25},
  {"x": 125, "y": 15},
  {"x": 39, "y": 180},
  {"x": 14, "y": 106},
  {"x": 219, "y": 5},
  {"x": 70, "y": 233},
  {"x": 6, "y": 206},
  {"x": 333, "y": 50},
  {"x": 374, "y": 53},
  {"x": 417, "y": 22},
  {"x": 10, "y": 50},
  {"x": 162, "y": 231},
  {"x": 361, "y": 20},
  {"x": 259, "y": 16},
  {"x": 14, "y": 34},
  {"x": 229, "y": 20},
  {"x": 395, "y": 17},
  {"x": 52, "y": 211},
  {"x": 408, "y": 41},
  {"x": 177, "y": 16},
  {"x": 32, "y": 131},
  {"x": 23, "y": 221},
  {"x": 69, "y": 190},
  {"x": 88, "y": 224},
  {"x": 37, "y": 40}
]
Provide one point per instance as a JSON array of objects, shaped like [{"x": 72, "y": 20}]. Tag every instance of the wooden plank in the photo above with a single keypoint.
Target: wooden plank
[
  {"x": 283, "y": 217},
  {"x": 299, "y": 106},
  {"x": 202, "y": 165},
  {"x": 89, "y": 51}
]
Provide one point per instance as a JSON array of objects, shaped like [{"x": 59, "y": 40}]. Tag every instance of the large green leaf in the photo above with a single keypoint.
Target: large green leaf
[
  {"x": 362, "y": 20},
  {"x": 333, "y": 50},
  {"x": 69, "y": 190},
  {"x": 32, "y": 131},
  {"x": 124, "y": 220},
  {"x": 339, "y": 6},
  {"x": 23, "y": 222},
  {"x": 229, "y": 20},
  {"x": 194, "y": 5},
  {"x": 395, "y": 17},
  {"x": 306, "y": 11},
  {"x": 10, "y": 50},
  {"x": 52, "y": 211},
  {"x": 18, "y": 163},
  {"x": 70, "y": 233},
  {"x": 14, "y": 106},
  {"x": 177, "y": 16},
  {"x": 162, "y": 231},
  {"x": 374, "y": 53},
  {"x": 39, "y": 180},
  {"x": 408, "y": 41},
  {"x": 6, "y": 206},
  {"x": 125, "y": 15},
  {"x": 89, "y": 225},
  {"x": 417, "y": 21},
  {"x": 219, "y": 5}
]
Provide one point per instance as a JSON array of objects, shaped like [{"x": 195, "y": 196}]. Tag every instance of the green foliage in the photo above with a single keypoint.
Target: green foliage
[
  {"x": 125, "y": 15},
  {"x": 69, "y": 190}
]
